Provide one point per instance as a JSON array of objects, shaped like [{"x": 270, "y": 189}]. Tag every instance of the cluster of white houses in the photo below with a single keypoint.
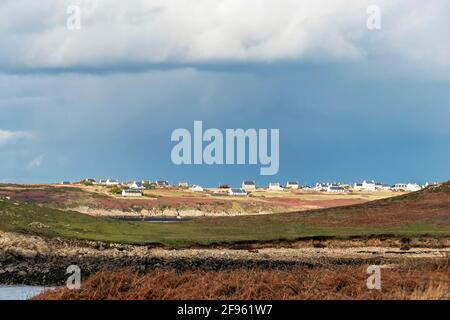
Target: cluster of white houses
[
  {"x": 365, "y": 186},
  {"x": 134, "y": 188}
]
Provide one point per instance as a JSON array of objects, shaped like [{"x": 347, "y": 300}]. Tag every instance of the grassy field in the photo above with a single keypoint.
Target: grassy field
[
  {"x": 98, "y": 200},
  {"x": 424, "y": 213},
  {"x": 309, "y": 196}
]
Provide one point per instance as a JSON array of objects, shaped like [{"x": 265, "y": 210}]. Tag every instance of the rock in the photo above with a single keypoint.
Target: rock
[
  {"x": 22, "y": 273},
  {"x": 22, "y": 253},
  {"x": 405, "y": 247}
]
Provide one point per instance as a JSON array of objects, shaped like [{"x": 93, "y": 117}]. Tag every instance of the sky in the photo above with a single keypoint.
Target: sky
[{"x": 101, "y": 101}]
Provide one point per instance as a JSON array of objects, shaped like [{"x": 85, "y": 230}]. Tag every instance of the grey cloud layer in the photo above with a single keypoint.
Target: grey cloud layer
[{"x": 34, "y": 33}]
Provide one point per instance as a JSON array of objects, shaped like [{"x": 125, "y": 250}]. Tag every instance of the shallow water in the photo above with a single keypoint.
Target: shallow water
[{"x": 19, "y": 292}]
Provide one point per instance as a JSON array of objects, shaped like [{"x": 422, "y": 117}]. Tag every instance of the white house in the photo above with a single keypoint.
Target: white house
[
  {"x": 196, "y": 188},
  {"x": 137, "y": 185},
  {"x": 427, "y": 184},
  {"x": 413, "y": 187},
  {"x": 275, "y": 186},
  {"x": 237, "y": 192},
  {"x": 399, "y": 187},
  {"x": 308, "y": 188},
  {"x": 321, "y": 186},
  {"x": 183, "y": 185},
  {"x": 382, "y": 186},
  {"x": 102, "y": 182},
  {"x": 132, "y": 193},
  {"x": 366, "y": 186},
  {"x": 336, "y": 189},
  {"x": 162, "y": 183},
  {"x": 112, "y": 182},
  {"x": 248, "y": 185},
  {"x": 292, "y": 185}
]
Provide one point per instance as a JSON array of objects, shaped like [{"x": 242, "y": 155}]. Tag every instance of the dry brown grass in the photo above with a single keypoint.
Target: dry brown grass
[{"x": 430, "y": 281}]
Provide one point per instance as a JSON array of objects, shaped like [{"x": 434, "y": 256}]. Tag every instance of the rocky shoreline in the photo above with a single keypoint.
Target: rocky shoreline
[{"x": 34, "y": 260}]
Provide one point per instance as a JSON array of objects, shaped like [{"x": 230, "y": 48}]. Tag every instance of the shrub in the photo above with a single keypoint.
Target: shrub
[
  {"x": 115, "y": 190},
  {"x": 149, "y": 186}
]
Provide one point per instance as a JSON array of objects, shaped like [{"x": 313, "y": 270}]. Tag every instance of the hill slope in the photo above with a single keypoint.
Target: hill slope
[
  {"x": 98, "y": 200},
  {"x": 417, "y": 214}
]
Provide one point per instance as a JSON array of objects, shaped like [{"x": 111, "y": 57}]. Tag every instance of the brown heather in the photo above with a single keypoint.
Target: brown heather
[{"x": 406, "y": 281}]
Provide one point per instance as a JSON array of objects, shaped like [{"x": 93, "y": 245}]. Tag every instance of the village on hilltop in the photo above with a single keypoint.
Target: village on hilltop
[{"x": 135, "y": 188}]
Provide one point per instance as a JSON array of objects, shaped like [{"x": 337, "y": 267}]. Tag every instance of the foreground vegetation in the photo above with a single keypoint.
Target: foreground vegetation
[
  {"x": 425, "y": 213},
  {"x": 407, "y": 281}
]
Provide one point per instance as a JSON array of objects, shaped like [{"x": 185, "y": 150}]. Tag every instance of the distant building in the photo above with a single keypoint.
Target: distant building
[
  {"x": 66, "y": 182},
  {"x": 275, "y": 186},
  {"x": 323, "y": 187},
  {"x": 336, "y": 189},
  {"x": 248, "y": 185},
  {"x": 102, "y": 182},
  {"x": 365, "y": 186},
  {"x": 237, "y": 192},
  {"x": 382, "y": 186},
  {"x": 137, "y": 185},
  {"x": 162, "y": 183},
  {"x": 183, "y": 185},
  {"x": 328, "y": 187},
  {"x": 399, "y": 187},
  {"x": 90, "y": 180},
  {"x": 427, "y": 184},
  {"x": 112, "y": 182},
  {"x": 132, "y": 193},
  {"x": 292, "y": 185},
  {"x": 196, "y": 188},
  {"x": 412, "y": 187}
]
